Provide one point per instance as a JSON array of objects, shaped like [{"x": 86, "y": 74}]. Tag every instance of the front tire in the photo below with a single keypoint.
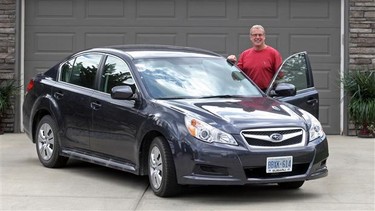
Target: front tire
[
  {"x": 161, "y": 169},
  {"x": 47, "y": 144}
]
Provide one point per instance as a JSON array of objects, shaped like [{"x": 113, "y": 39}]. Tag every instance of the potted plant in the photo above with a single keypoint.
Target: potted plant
[
  {"x": 8, "y": 88},
  {"x": 360, "y": 85}
]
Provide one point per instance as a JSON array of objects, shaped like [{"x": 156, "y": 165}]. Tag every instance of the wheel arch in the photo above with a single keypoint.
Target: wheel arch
[
  {"x": 143, "y": 150},
  {"x": 45, "y": 105}
]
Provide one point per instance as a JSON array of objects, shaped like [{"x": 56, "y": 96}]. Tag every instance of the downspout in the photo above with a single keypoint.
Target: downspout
[
  {"x": 19, "y": 63},
  {"x": 344, "y": 64}
]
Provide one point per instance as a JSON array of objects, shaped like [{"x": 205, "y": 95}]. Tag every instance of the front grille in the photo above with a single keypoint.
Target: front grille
[
  {"x": 274, "y": 137},
  {"x": 260, "y": 172}
]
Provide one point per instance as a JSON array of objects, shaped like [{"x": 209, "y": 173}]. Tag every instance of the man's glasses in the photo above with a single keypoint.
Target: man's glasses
[{"x": 257, "y": 35}]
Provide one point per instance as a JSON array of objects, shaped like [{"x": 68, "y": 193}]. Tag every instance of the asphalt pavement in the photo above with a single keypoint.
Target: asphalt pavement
[{"x": 26, "y": 185}]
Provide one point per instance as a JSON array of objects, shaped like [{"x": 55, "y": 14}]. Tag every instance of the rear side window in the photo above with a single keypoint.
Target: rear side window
[
  {"x": 116, "y": 73},
  {"x": 81, "y": 70},
  {"x": 66, "y": 71}
]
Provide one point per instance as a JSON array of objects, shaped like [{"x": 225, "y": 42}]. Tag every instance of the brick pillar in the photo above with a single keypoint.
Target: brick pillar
[
  {"x": 7, "y": 54},
  {"x": 362, "y": 39}
]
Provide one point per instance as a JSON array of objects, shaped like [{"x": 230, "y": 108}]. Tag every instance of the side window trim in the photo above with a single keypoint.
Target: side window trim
[
  {"x": 103, "y": 69},
  {"x": 309, "y": 74}
]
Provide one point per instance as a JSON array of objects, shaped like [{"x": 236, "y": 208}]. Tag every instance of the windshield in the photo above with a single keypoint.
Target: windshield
[{"x": 174, "y": 78}]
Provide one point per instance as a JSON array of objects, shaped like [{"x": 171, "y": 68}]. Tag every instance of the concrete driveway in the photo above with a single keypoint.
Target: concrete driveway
[{"x": 26, "y": 185}]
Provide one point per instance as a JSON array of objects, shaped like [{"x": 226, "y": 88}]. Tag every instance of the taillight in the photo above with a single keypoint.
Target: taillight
[{"x": 30, "y": 85}]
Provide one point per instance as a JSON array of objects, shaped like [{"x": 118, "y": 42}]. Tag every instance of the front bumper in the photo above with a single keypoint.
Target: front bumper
[{"x": 210, "y": 164}]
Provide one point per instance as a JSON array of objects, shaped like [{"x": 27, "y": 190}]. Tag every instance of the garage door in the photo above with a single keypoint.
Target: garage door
[{"x": 57, "y": 28}]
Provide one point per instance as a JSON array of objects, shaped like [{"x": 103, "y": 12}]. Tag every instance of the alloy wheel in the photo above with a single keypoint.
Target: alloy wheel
[
  {"x": 46, "y": 141},
  {"x": 156, "y": 167}
]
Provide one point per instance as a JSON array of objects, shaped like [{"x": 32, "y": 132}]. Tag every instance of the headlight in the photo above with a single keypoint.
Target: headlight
[
  {"x": 315, "y": 128},
  {"x": 207, "y": 133}
]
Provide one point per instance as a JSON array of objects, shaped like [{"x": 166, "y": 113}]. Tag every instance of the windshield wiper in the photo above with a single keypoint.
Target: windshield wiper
[
  {"x": 223, "y": 96},
  {"x": 172, "y": 98},
  {"x": 203, "y": 97}
]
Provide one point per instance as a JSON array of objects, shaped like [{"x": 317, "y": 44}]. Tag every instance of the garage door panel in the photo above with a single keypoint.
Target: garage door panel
[
  {"x": 106, "y": 9},
  {"x": 329, "y": 116},
  {"x": 155, "y": 9},
  {"x": 264, "y": 9},
  {"x": 103, "y": 39},
  {"x": 314, "y": 44},
  {"x": 203, "y": 9},
  {"x": 53, "y": 8},
  {"x": 225, "y": 13},
  {"x": 47, "y": 46},
  {"x": 327, "y": 80},
  {"x": 320, "y": 13},
  {"x": 318, "y": 9},
  {"x": 34, "y": 67},
  {"x": 215, "y": 42},
  {"x": 47, "y": 42},
  {"x": 323, "y": 46},
  {"x": 152, "y": 38}
]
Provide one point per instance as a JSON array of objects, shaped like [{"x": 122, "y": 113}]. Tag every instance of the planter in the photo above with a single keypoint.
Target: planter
[
  {"x": 363, "y": 133},
  {"x": 8, "y": 89},
  {"x": 360, "y": 87}
]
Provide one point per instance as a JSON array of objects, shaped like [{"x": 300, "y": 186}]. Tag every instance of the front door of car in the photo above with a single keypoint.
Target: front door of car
[
  {"x": 297, "y": 71},
  {"x": 114, "y": 122},
  {"x": 72, "y": 94}
]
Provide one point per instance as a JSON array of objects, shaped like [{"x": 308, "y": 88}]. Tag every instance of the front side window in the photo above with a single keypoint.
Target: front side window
[
  {"x": 193, "y": 78},
  {"x": 82, "y": 72},
  {"x": 295, "y": 71},
  {"x": 116, "y": 73}
]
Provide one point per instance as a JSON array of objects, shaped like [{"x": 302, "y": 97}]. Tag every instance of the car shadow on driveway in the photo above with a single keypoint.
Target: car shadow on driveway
[{"x": 232, "y": 194}]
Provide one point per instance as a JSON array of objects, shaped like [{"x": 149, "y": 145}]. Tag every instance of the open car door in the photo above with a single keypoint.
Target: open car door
[{"x": 297, "y": 71}]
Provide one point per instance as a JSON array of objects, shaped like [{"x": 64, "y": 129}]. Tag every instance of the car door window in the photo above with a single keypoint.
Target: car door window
[
  {"x": 115, "y": 73},
  {"x": 295, "y": 70},
  {"x": 66, "y": 71},
  {"x": 83, "y": 71}
]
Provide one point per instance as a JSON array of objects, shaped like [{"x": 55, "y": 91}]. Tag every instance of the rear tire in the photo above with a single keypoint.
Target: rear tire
[
  {"x": 161, "y": 169},
  {"x": 291, "y": 185},
  {"x": 47, "y": 144}
]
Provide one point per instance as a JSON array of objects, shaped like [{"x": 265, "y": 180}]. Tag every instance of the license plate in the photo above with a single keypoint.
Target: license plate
[{"x": 279, "y": 164}]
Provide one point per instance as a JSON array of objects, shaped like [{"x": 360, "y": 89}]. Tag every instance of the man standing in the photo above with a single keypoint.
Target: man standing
[{"x": 260, "y": 62}]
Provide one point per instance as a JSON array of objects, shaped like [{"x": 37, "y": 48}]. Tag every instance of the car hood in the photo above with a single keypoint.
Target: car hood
[{"x": 241, "y": 112}]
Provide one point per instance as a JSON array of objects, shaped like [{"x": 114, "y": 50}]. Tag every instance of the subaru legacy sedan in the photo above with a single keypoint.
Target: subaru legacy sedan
[{"x": 182, "y": 116}]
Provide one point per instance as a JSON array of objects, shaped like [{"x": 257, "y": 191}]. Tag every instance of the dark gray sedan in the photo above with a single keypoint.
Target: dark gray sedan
[{"x": 182, "y": 116}]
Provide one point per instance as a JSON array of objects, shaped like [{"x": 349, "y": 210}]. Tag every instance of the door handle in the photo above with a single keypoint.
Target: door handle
[
  {"x": 312, "y": 101},
  {"x": 95, "y": 105},
  {"x": 58, "y": 95}
]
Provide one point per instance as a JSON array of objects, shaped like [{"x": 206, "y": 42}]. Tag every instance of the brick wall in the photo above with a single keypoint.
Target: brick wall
[
  {"x": 7, "y": 54},
  {"x": 362, "y": 34},
  {"x": 361, "y": 39}
]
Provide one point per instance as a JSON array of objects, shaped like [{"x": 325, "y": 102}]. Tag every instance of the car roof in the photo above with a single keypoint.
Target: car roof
[{"x": 157, "y": 51}]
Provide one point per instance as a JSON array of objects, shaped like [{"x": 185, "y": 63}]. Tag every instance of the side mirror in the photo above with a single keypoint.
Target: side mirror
[
  {"x": 122, "y": 93},
  {"x": 284, "y": 90}
]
